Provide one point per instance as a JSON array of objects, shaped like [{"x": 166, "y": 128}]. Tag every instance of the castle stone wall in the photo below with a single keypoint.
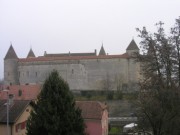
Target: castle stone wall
[
  {"x": 85, "y": 74},
  {"x": 82, "y": 71}
]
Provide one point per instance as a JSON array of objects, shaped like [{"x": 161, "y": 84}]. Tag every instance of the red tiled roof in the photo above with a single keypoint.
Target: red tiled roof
[
  {"x": 42, "y": 58},
  {"x": 91, "y": 109},
  {"x": 69, "y": 54},
  {"x": 28, "y": 92}
]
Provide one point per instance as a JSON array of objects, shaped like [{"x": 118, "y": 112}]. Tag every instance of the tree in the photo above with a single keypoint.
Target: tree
[
  {"x": 54, "y": 112},
  {"x": 160, "y": 84}
]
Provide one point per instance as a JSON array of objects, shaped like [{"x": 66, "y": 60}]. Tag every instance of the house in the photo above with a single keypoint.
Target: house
[
  {"x": 19, "y": 111},
  {"x": 21, "y": 92},
  {"x": 95, "y": 115}
]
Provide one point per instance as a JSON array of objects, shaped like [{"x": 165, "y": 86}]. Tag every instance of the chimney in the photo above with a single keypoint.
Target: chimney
[
  {"x": 45, "y": 53},
  {"x": 11, "y": 98}
]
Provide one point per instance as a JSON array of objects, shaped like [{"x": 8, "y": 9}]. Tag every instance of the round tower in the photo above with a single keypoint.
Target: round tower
[{"x": 11, "y": 67}]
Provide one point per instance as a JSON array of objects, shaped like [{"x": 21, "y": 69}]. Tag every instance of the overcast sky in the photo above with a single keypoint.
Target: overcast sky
[{"x": 60, "y": 26}]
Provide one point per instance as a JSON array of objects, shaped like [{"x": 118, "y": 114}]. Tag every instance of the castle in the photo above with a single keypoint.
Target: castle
[{"x": 82, "y": 71}]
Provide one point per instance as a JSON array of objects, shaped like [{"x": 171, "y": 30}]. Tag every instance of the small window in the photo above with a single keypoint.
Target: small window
[
  {"x": 21, "y": 126},
  {"x": 18, "y": 127},
  {"x": 27, "y": 110},
  {"x": 20, "y": 93},
  {"x": 36, "y": 74},
  {"x": 27, "y": 73},
  {"x": 72, "y": 71}
]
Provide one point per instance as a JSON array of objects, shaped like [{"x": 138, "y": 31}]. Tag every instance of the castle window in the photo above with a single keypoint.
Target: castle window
[
  {"x": 8, "y": 74},
  {"x": 72, "y": 71},
  {"x": 36, "y": 74},
  {"x": 27, "y": 73}
]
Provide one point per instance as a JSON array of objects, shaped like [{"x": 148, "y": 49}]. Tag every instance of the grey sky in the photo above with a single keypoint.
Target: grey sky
[{"x": 60, "y": 26}]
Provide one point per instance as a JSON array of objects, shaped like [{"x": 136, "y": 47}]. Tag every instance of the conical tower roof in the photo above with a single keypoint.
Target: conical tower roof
[
  {"x": 102, "y": 51},
  {"x": 11, "y": 54},
  {"x": 30, "y": 54},
  {"x": 132, "y": 46}
]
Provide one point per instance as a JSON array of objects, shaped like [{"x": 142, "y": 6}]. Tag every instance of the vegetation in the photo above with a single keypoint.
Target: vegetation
[
  {"x": 102, "y": 95},
  {"x": 54, "y": 112},
  {"x": 160, "y": 85},
  {"x": 114, "y": 130}
]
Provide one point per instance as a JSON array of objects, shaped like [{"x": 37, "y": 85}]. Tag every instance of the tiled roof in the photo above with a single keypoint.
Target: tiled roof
[
  {"x": 15, "y": 110},
  {"x": 30, "y": 54},
  {"x": 21, "y": 92},
  {"x": 102, "y": 51},
  {"x": 11, "y": 54},
  {"x": 132, "y": 46},
  {"x": 91, "y": 109},
  {"x": 42, "y": 58},
  {"x": 70, "y": 54}
]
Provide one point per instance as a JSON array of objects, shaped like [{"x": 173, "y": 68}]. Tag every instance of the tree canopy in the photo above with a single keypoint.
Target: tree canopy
[
  {"x": 54, "y": 112},
  {"x": 160, "y": 82}
]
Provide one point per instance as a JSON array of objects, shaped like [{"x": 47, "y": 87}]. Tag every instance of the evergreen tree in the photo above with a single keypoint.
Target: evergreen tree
[{"x": 54, "y": 112}]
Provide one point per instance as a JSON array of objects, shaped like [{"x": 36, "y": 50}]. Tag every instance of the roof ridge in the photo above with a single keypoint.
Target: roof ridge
[{"x": 42, "y": 58}]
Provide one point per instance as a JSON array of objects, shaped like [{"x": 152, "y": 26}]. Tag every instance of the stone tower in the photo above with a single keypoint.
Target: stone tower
[{"x": 11, "y": 67}]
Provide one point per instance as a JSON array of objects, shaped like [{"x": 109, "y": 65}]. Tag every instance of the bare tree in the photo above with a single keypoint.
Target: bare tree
[
  {"x": 175, "y": 41},
  {"x": 159, "y": 97}
]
